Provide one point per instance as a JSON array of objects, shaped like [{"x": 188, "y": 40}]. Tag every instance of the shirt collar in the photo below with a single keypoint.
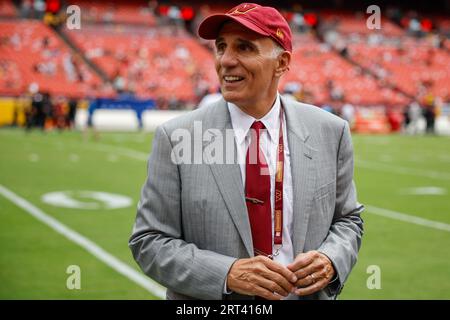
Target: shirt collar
[{"x": 242, "y": 122}]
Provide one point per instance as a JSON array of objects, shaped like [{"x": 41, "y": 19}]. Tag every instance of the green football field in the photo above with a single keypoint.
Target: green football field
[{"x": 47, "y": 183}]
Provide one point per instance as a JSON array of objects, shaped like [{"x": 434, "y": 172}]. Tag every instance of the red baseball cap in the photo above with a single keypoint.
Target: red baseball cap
[{"x": 266, "y": 21}]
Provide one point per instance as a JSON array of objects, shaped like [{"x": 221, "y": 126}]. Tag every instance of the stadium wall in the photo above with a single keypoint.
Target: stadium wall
[
  {"x": 124, "y": 120},
  {"x": 12, "y": 113}
]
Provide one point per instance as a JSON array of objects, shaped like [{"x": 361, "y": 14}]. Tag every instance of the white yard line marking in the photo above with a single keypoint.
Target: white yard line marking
[
  {"x": 73, "y": 157},
  {"x": 408, "y": 218},
  {"x": 423, "y": 191},
  {"x": 402, "y": 170},
  {"x": 103, "y": 147},
  {"x": 112, "y": 158},
  {"x": 33, "y": 157},
  {"x": 121, "y": 150},
  {"x": 109, "y": 148},
  {"x": 107, "y": 258}
]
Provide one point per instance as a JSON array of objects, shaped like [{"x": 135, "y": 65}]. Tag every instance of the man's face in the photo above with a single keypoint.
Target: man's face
[{"x": 246, "y": 63}]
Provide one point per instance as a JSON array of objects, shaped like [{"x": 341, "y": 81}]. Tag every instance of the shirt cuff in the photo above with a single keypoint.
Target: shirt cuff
[{"x": 225, "y": 289}]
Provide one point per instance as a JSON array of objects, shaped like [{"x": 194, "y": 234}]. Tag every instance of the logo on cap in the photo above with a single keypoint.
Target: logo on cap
[
  {"x": 244, "y": 8},
  {"x": 280, "y": 34}
]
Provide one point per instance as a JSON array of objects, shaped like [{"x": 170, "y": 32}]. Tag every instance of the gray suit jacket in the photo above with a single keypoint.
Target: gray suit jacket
[{"x": 192, "y": 222}]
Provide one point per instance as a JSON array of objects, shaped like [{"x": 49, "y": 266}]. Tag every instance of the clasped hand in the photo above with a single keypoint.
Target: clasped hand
[{"x": 263, "y": 277}]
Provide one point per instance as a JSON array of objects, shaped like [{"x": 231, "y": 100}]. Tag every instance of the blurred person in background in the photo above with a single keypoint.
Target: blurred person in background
[
  {"x": 284, "y": 226},
  {"x": 47, "y": 111},
  {"x": 210, "y": 98},
  {"x": 34, "y": 113},
  {"x": 71, "y": 112},
  {"x": 429, "y": 114},
  {"x": 348, "y": 114},
  {"x": 59, "y": 113},
  {"x": 395, "y": 119},
  {"x": 414, "y": 115},
  {"x": 89, "y": 128},
  {"x": 40, "y": 111}
]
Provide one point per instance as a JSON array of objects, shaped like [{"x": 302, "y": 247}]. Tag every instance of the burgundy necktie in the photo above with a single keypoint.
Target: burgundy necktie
[{"x": 257, "y": 193}]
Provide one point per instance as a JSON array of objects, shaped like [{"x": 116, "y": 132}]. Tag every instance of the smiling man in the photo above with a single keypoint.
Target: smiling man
[
  {"x": 282, "y": 221},
  {"x": 249, "y": 67}
]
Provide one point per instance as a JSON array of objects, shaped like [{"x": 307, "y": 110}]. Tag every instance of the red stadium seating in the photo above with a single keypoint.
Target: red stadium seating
[
  {"x": 7, "y": 9},
  {"x": 157, "y": 58},
  {"x": 30, "y": 52},
  {"x": 407, "y": 63},
  {"x": 153, "y": 62},
  {"x": 314, "y": 64},
  {"x": 133, "y": 12},
  {"x": 351, "y": 23}
]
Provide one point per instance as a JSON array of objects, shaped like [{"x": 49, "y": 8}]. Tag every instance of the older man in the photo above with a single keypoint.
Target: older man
[{"x": 282, "y": 220}]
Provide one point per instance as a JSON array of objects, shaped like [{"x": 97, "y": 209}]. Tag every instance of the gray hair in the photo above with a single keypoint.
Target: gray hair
[{"x": 277, "y": 50}]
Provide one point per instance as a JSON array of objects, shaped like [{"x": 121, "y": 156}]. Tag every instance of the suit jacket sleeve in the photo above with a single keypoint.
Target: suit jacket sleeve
[
  {"x": 344, "y": 238},
  {"x": 157, "y": 239}
]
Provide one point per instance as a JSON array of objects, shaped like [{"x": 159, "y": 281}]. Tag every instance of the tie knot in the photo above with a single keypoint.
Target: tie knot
[{"x": 258, "y": 125}]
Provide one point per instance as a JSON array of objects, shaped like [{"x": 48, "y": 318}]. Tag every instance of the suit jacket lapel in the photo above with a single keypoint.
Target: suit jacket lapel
[
  {"x": 228, "y": 176},
  {"x": 303, "y": 173}
]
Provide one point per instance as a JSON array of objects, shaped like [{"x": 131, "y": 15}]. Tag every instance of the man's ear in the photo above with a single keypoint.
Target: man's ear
[{"x": 283, "y": 63}]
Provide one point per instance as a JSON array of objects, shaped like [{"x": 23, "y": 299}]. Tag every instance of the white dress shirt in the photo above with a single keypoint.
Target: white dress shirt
[{"x": 269, "y": 139}]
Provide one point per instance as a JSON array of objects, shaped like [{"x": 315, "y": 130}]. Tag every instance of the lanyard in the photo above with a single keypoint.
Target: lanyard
[
  {"x": 279, "y": 175},
  {"x": 278, "y": 224}
]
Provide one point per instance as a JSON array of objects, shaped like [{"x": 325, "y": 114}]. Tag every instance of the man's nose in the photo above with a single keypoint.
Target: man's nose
[{"x": 228, "y": 58}]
